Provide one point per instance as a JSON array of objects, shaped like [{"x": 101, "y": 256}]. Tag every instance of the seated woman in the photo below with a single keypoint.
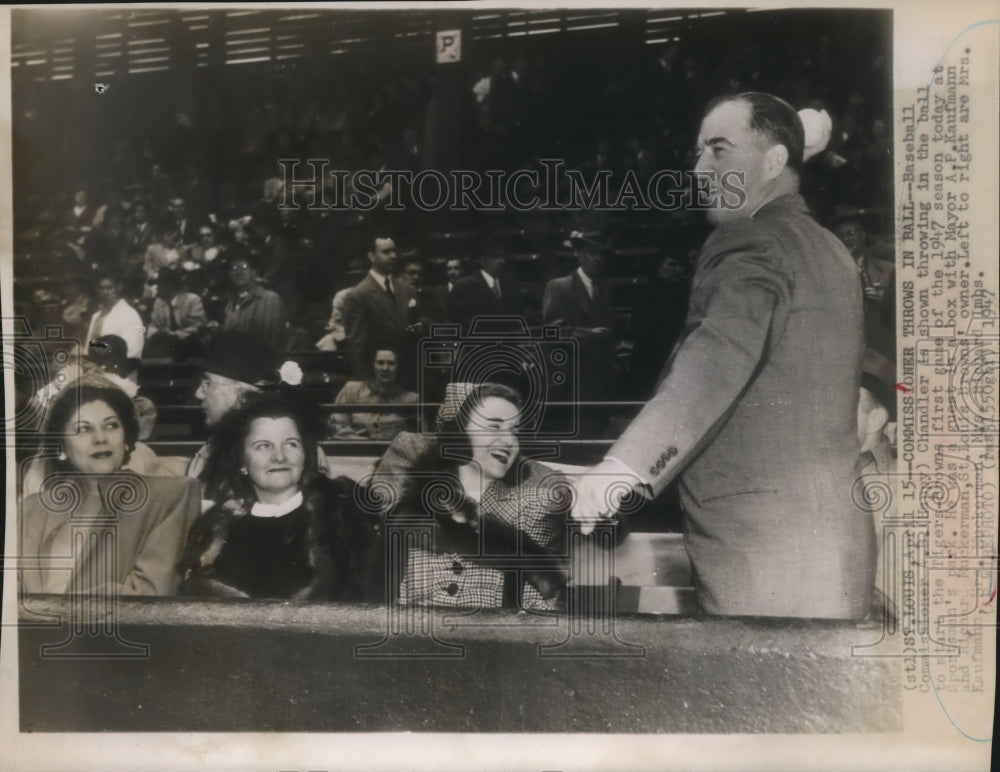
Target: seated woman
[
  {"x": 280, "y": 529},
  {"x": 485, "y": 500},
  {"x": 105, "y": 358},
  {"x": 99, "y": 426},
  {"x": 382, "y": 389}
]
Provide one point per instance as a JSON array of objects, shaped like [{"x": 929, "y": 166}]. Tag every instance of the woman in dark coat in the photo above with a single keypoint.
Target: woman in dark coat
[{"x": 281, "y": 529}]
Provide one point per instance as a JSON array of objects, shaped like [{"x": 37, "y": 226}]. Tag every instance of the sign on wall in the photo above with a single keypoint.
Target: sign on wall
[{"x": 449, "y": 46}]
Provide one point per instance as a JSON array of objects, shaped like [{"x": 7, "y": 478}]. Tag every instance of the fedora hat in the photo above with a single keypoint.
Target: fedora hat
[{"x": 242, "y": 357}]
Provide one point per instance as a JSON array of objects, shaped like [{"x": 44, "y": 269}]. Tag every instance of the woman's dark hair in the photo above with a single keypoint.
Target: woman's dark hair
[
  {"x": 775, "y": 119},
  {"x": 75, "y": 395},
  {"x": 223, "y": 478},
  {"x": 453, "y": 430}
]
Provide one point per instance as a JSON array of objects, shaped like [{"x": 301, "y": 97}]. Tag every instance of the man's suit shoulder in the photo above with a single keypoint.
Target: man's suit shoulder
[
  {"x": 472, "y": 280},
  {"x": 563, "y": 283}
]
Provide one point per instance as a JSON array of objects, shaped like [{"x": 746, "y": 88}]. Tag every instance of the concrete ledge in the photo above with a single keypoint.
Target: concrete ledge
[{"x": 257, "y": 666}]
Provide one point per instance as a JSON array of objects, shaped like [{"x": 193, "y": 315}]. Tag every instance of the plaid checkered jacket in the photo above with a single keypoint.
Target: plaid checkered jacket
[{"x": 509, "y": 550}]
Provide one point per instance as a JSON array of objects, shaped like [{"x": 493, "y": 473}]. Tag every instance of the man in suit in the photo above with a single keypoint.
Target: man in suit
[
  {"x": 429, "y": 302},
  {"x": 378, "y": 308},
  {"x": 756, "y": 411},
  {"x": 485, "y": 293},
  {"x": 454, "y": 270},
  {"x": 581, "y": 307}
]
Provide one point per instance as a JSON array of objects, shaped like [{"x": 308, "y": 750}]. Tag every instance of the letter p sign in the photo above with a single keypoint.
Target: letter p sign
[{"x": 449, "y": 46}]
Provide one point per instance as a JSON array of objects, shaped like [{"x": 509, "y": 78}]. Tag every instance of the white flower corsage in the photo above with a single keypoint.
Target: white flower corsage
[
  {"x": 129, "y": 387},
  {"x": 290, "y": 373},
  {"x": 818, "y": 128},
  {"x": 412, "y": 303}
]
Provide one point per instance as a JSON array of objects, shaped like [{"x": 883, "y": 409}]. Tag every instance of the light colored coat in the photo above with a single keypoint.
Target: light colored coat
[{"x": 756, "y": 412}]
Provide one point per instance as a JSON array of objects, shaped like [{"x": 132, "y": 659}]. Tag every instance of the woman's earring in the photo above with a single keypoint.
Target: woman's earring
[{"x": 243, "y": 470}]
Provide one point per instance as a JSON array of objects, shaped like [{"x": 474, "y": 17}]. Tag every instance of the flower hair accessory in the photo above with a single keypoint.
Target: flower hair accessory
[
  {"x": 290, "y": 373},
  {"x": 818, "y": 128}
]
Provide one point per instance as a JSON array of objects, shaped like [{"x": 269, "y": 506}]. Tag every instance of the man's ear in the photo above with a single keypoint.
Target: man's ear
[
  {"x": 877, "y": 419},
  {"x": 775, "y": 161}
]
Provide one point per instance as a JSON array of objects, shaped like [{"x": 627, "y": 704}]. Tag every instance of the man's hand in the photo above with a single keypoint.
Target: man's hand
[{"x": 600, "y": 492}]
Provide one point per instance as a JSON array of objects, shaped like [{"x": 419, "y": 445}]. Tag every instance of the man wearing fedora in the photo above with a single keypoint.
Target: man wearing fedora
[
  {"x": 580, "y": 305},
  {"x": 756, "y": 410}
]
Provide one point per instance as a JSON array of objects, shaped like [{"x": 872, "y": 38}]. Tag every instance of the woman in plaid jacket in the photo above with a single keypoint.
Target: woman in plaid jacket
[{"x": 498, "y": 535}]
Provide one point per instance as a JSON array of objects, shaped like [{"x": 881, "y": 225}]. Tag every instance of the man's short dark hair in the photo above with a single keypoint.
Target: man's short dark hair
[
  {"x": 775, "y": 119},
  {"x": 376, "y": 236}
]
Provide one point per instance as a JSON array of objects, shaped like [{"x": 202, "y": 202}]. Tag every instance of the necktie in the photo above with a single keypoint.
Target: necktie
[
  {"x": 388, "y": 287},
  {"x": 173, "y": 316},
  {"x": 496, "y": 289},
  {"x": 863, "y": 271}
]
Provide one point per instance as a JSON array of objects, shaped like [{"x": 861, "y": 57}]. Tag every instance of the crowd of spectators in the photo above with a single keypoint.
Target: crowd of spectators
[{"x": 176, "y": 235}]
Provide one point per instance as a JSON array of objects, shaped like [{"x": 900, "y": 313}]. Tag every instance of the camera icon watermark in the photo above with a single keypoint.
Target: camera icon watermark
[
  {"x": 543, "y": 366},
  {"x": 42, "y": 365}
]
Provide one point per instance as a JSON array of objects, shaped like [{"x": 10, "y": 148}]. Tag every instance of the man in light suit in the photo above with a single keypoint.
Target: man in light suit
[
  {"x": 378, "y": 308},
  {"x": 756, "y": 410}
]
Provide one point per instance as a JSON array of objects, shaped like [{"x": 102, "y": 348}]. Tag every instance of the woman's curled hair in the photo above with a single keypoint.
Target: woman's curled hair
[
  {"x": 93, "y": 388},
  {"x": 223, "y": 476}
]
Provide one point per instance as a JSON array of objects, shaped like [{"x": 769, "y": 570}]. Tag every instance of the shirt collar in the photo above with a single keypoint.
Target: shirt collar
[
  {"x": 378, "y": 277},
  {"x": 587, "y": 281},
  {"x": 490, "y": 280},
  {"x": 259, "y": 509}
]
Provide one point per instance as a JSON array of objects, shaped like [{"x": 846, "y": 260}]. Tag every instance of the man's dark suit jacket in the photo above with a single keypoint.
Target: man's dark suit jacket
[
  {"x": 472, "y": 297},
  {"x": 757, "y": 413},
  {"x": 567, "y": 304},
  {"x": 372, "y": 316}
]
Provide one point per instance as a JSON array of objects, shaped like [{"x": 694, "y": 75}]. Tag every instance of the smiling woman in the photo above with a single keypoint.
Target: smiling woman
[
  {"x": 499, "y": 519},
  {"x": 93, "y": 527},
  {"x": 281, "y": 529}
]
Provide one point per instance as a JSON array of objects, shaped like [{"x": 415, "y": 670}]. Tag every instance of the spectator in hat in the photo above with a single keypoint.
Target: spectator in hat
[
  {"x": 252, "y": 309},
  {"x": 485, "y": 497},
  {"x": 236, "y": 371},
  {"x": 580, "y": 305},
  {"x": 98, "y": 430},
  {"x": 103, "y": 365},
  {"x": 114, "y": 316},
  {"x": 280, "y": 527}
]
